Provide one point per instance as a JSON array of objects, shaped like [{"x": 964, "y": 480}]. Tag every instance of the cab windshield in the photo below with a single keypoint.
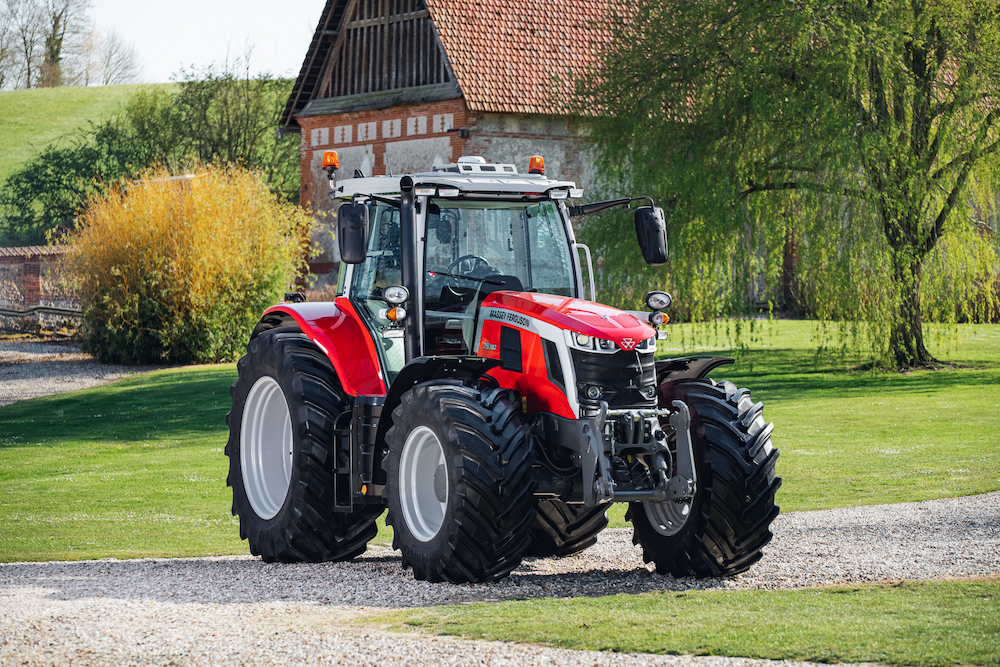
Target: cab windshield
[{"x": 474, "y": 248}]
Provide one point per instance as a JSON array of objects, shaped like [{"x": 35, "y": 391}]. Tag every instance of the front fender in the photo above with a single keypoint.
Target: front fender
[
  {"x": 338, "y": 331},
  {"x": 688, "y": 368}
]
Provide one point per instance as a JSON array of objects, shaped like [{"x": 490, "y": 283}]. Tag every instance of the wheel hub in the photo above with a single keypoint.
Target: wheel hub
[
  {"x": 266, "y": 448},
  {"x": 423, "y": 483},
  {"x": 669, "y": 517}
]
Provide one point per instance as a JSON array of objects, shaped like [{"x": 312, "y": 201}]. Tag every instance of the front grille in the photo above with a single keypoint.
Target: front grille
[{"x": 620, "y": 375}]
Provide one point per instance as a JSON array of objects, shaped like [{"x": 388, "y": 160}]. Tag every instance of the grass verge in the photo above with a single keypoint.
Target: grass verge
[
  {"x": 131, "y": 469},
  {"x": 916, "y": 624}
]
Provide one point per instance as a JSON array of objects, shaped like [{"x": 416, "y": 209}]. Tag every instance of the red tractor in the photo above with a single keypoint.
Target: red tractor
[{"x": 461, "y": 380}]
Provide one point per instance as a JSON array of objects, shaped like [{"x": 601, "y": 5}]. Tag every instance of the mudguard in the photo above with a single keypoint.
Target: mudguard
[
  {"x": 688, "y": 368},
  {"x": 336, "y": 328}
]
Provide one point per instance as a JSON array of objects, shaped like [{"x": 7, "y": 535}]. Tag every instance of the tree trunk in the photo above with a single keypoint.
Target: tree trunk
[{"x": 906, "y": 339}]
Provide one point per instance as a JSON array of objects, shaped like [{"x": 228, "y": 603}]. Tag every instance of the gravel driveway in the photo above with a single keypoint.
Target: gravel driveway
[
  {"x": 29, "y": 369},
  {"x": 240, "y": 611}
]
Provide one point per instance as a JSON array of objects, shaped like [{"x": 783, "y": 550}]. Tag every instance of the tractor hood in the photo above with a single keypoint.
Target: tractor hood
[{"x": 577, "y": 315}]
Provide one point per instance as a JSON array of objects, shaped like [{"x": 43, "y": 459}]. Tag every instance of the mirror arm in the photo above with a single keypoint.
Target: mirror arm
[
  {"x": 586, "y": 209},
  {"x": 385, "y": 200}
]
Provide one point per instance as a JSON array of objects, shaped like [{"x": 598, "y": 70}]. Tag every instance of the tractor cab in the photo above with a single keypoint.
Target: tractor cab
[{"x": 470, "y": 249}]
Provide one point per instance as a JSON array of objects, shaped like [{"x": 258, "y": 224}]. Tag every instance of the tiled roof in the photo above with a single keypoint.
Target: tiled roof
[
  {"x": 520, "y": 56},
  {"x": 32, "y": 251}
]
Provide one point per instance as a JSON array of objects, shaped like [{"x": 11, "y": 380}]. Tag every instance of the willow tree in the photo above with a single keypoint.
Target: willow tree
[{"x": 861, "y": 134}]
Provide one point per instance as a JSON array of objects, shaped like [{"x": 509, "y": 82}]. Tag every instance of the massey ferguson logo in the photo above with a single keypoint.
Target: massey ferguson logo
[{"x": 628, "y": 344}]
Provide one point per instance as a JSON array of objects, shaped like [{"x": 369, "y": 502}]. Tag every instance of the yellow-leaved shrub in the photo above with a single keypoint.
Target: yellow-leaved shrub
[{"x": 179, "y": 269}]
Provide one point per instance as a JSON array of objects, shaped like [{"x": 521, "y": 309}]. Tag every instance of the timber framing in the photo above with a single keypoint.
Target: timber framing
[{"x": 370, "y": 53}]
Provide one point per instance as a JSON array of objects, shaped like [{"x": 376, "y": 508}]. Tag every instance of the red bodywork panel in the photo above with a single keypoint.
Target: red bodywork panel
[
  {"x": 540, "y": 394},
  {"x": 585, "y": 317},
  {"x": 337, "y": 329},
  {"x": 545, "y": 311}
]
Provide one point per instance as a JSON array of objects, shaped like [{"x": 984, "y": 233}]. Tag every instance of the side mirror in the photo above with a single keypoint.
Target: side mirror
[
  {"x": 651, "y": 231},
  {"x": 352, "y": 232}
]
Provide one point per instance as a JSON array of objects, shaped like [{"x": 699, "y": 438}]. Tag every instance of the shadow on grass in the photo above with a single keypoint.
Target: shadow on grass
[
  {"x": 782, "y": 375},
  {"x": 169, "y": 404}
]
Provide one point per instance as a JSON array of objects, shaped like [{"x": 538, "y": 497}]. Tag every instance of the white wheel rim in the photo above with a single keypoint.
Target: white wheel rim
[
  {"x": 421, "y": 469},
  {"x": 669, "y": 517},
  {"x": 266, "y": 447}
]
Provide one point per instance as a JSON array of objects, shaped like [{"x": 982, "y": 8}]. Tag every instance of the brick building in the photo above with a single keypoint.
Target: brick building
[{"x": 395, "y": 86}]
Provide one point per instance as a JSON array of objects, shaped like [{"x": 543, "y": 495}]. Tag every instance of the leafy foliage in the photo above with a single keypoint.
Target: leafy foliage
[
  {"x": 178, "y": 269},
  {"x": 840, "y": 158},
  {"x": 215, "y": 117},
  {"x": 230, "y": 116},
  {"x": 44, "y": 194}
]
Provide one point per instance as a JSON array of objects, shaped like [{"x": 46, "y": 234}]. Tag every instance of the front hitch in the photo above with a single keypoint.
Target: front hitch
[{"x": 676, "y": 487}]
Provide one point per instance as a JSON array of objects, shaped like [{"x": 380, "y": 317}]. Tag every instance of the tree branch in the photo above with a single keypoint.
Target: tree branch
[
  {"x": 973, "y": 153},
  {"x": 802, "y": 185}
]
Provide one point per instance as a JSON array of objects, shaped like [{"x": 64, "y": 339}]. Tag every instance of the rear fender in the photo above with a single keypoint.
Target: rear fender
[{"x": 338, "y": 331}]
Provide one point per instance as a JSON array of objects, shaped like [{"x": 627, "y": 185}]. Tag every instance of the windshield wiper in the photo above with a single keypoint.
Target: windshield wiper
[{"x": 489, "y": 279}]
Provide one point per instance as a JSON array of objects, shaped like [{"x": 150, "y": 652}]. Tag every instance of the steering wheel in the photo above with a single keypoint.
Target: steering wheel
[{"x": 469, "y": 263}]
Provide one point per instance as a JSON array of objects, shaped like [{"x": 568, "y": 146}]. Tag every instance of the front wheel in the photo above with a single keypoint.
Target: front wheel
[
  {"x": 721, "y": 531},
  {"x": 459, "y": 481},
  {"x": 286, "y": 400}
]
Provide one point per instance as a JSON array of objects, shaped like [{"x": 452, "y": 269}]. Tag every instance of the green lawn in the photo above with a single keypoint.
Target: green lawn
[
  {"x": 127, "y": 470},
  {"x": 910, "y": 624},
  {"x": 33, "y": 119}
]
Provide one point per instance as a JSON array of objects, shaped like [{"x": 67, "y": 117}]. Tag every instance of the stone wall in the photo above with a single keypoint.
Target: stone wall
[{"x": 33, "y": 279}]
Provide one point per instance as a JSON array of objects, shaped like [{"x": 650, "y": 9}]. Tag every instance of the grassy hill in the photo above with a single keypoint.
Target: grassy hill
[{"x": 33, "y": 119}]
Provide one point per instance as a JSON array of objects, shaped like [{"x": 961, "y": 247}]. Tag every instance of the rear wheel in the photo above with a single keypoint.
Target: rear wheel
[
  {"x": 281, "y": 429},
  {"x": 459, "y": 481},
  {"x": 561, "y": 529},
  {"x": 722, "y": 530}
]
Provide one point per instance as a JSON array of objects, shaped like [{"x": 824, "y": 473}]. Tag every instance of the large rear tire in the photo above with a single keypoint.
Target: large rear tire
[
  {"x": 723, "y": 530},
  {"x": 561, "y": 529},
  {"x": 286, "y": 400},
  {"x": 459, "y": 481}
]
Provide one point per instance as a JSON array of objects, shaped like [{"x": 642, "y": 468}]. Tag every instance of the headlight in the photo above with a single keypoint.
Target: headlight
[
  {"x": 583, "y": 340},
  {"x": 658, "y": 300},
  {"x": 395, "y": 294}
]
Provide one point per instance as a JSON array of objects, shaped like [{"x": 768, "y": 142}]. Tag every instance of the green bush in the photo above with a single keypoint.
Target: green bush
[{"x": 178, "y": 269}]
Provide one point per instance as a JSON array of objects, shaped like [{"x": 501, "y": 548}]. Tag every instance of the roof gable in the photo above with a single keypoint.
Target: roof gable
[{"x": 504, "y": 56}]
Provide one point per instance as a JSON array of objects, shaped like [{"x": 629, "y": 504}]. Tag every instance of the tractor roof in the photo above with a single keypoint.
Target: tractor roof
[{"x": 492, "y": 183}]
